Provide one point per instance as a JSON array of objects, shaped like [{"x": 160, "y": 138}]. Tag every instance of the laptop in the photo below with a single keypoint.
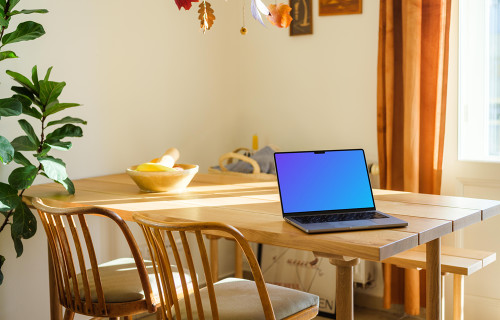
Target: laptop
[{"x": 328, "y": 191}]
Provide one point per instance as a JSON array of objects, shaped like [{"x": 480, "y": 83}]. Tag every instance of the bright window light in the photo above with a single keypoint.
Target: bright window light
[{"x": 479, "y": 84}]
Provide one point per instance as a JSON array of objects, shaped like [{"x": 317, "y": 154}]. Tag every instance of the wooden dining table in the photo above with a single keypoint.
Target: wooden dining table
[{"x": 253, "y": 207}]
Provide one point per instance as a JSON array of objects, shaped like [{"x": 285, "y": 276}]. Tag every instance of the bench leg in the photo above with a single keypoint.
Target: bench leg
[
  {"x": 458, "y": 297},
  {"x": 387, "y": 285},
  {"x": 412, "y": 292},
  {"x": 442, "y": 296}
]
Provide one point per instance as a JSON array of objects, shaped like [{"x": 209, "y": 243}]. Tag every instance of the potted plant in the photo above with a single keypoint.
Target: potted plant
[{"x": 37, "y": 100}]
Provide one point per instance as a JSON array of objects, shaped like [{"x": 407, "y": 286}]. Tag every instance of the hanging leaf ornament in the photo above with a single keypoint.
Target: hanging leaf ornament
[
  {"x": 280, "y": 15},
  {"x": 186, "y": 4},
  {"x": 206, "y": 16},
  {"x": 257, "y": 7}
]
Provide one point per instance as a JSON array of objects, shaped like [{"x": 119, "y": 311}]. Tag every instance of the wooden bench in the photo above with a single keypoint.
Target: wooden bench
[{"x": 457, "y": 261}]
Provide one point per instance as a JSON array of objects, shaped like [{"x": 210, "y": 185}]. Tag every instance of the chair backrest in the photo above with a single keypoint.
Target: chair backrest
[
  {"x": 65, "y": 228},
  {"x": 158, "y": 234}
]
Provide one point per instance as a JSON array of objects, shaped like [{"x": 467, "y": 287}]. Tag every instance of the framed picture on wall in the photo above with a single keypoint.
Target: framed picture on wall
[
  {"x": 302, "y": 17},
  {"x": 336, "y": 7}
]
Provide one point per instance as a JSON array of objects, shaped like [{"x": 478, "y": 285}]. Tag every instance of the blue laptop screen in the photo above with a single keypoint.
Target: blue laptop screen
[{"x": 323, "y": 180}]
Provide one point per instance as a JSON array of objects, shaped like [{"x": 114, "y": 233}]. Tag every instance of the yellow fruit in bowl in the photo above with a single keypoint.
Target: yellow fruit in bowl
[{"x": 149, "y": 166}]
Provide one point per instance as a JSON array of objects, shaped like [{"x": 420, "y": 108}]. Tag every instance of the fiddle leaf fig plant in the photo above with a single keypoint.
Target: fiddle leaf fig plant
[
  {"x": 39, "y": 101},
  {"x": 35, "y": 99}
]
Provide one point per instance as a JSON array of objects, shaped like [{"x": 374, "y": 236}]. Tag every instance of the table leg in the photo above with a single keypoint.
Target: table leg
[
  {"x": 433, "y": 256},
  {"x": 55, "y": 306},
  {"x": 238, "y": 261},
  {"x": 214, "y": 256},
  {"x": 345, "y": 294}
]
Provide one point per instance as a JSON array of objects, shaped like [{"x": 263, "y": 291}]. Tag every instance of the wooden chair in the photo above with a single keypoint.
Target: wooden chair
[
  {"x": 227, "y": 299},
  {"x": 119, "y": 288}
]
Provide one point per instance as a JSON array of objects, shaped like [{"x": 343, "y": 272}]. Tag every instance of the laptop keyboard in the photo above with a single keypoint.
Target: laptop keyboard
[{"x": 340, "y": 217}]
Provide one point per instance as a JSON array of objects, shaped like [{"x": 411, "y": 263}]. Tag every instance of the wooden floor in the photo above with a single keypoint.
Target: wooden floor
[
  {"x": 369, "y": 314},
  {"x": 359, "y": 314}
]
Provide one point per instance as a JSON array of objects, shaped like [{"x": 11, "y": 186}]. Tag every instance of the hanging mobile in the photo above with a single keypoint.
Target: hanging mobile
[{"x": 243, "y": 30}]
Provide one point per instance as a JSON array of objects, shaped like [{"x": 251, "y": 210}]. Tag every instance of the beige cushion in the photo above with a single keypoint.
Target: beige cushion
[
  {"x": 121, "y": 283},
  {"x": 239, "y": 299}
]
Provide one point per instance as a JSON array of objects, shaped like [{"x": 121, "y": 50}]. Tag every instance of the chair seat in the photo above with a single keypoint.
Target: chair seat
[
  {"x": 121, "y": 283},
  {"x": 239, "y": 299}
]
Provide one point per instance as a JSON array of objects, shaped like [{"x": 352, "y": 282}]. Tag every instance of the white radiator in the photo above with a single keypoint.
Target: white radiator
[{"x": 364, "y": 274}]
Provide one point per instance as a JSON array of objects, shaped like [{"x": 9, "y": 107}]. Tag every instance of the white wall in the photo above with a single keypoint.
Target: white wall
[{"x": 149, "y": 80}]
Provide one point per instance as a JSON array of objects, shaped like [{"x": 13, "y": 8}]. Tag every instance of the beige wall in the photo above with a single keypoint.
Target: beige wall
[{"x": 149, "y": 79}]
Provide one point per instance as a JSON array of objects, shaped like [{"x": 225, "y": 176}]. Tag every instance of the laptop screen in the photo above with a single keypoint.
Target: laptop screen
[{"x": 313, "y": 181}]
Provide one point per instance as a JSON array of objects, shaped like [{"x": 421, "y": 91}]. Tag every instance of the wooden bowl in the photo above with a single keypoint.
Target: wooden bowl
[{"x": 163, "y": 181}]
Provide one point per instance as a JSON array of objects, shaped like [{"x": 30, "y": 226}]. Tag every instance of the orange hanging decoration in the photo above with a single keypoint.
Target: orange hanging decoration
[
  {"x": 280, "y": 15},
  {"x": 206, "y": 16}
]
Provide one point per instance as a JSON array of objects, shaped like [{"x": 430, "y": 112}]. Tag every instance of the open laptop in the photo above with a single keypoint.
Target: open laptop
[{"x": 327, "y": 191}]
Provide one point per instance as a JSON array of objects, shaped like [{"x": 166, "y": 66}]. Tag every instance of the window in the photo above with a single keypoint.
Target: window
[{"x": 479, "y": 84}]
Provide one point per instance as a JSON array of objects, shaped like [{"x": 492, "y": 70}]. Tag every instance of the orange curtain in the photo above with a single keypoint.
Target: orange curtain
[{"x": 411, "y": 97}]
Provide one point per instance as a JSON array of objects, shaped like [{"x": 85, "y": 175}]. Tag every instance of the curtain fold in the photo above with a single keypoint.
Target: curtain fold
[{"x": 411, "y": 100}]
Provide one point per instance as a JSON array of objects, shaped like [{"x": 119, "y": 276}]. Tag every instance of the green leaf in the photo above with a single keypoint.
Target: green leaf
[
  {"x": 8, "y": 197},
  {"x": 25, "y": 31},
  {"x": 23, "y": 143},
  {"x": 55, "y": 169},
  {"x": 13, "y": 13},
  {"x": 45, "y": 149},
  {"x": 24, "y": 92},
  {"x": 2, "y": 260},
  {"x": 13, "y": 3},
  {"x": 19, "y": 158},
  {"x": 6, "y": 151},
  {"x": 68, "y": 130},
  {"x": 30, "y": 132},
  {"x": 47, "y": 75},
  {"x": 26, "y": 126},
  {"x": 66, "y": 120},
  {"x": 59, "y": 107},
  {"x": 34, "y": 77},
  {"x": 7, "y": 55},
  {"x": 23, "y": 177},
  {"x": 25, "y": 101},
  {"x": 68, "y": 185},
  {"x": 4, "y": 22},
  {"x": 22, "y": 80},
  {"x": 24, "y": 222},
  {"x": 2, "y": 4},
  {"x": 10, "y": 107},
  {"x": 50, "y": 91},
  {"x": 60, "y": 145},
  {"x": 18, "y": 244},
  {"x": 32, "y": 112},
  {"x": 27, "y": 109}
]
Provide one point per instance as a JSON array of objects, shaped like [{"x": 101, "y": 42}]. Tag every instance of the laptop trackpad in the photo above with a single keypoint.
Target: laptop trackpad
[
  {"x": 340, "y": 225},
  {"x": 354, "y": 223}
]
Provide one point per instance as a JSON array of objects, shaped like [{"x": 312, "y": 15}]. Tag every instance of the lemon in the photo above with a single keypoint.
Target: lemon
[{"x": 148, "y": 166}]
